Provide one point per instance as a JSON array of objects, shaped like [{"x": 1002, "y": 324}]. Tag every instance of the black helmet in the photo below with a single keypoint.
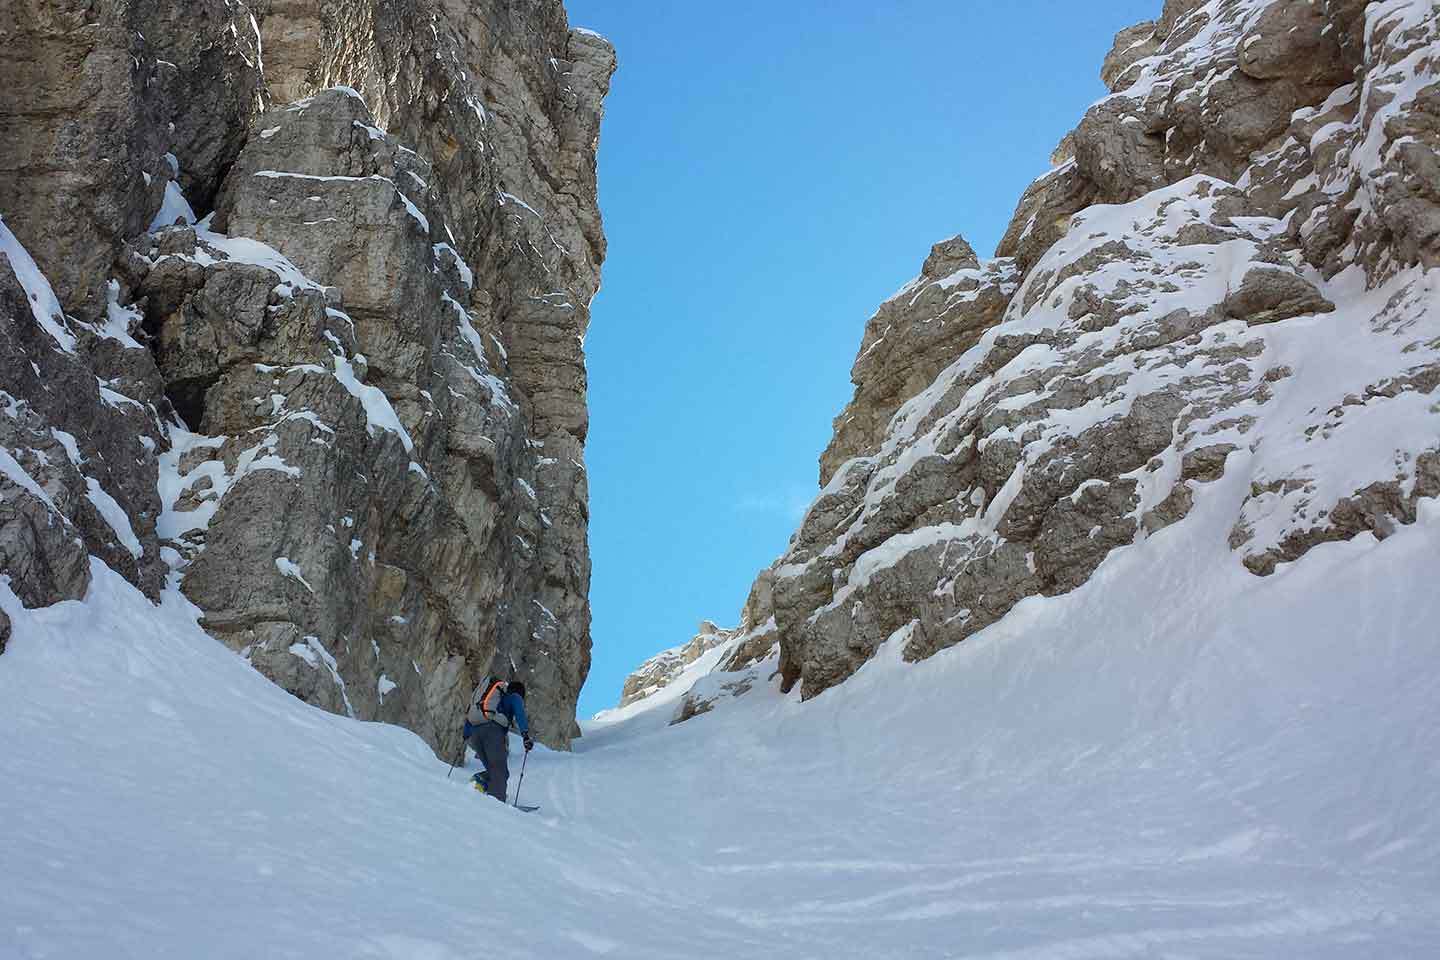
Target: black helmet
[{"x": 517, "y": 688}]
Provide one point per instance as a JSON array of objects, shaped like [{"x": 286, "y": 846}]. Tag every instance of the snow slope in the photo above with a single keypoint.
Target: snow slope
[{"x": 1247, "y": 769}]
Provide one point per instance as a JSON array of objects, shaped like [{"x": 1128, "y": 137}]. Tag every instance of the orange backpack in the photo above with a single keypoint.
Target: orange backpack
[{"x": 485, "y": 705}]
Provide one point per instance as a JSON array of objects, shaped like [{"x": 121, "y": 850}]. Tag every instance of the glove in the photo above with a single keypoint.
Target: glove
[{"x": 529, "y": 743}]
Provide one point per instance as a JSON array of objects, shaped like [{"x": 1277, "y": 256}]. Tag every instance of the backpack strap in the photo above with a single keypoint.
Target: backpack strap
[{"x": 490, "y": 702}]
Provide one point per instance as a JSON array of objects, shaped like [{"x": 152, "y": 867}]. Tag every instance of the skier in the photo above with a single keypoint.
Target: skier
[{"x": 495, "y": 708}]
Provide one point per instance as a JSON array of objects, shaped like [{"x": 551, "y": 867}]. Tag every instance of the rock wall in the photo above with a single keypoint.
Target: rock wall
[
  {"x": 91, "y": 92},
  {"x": 1231, "y": 271},
  {"x": 347, "y": 406}
]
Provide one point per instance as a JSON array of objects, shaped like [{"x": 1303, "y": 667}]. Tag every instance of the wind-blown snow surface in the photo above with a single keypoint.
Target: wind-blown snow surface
[{"x": 1176, "y": 760}]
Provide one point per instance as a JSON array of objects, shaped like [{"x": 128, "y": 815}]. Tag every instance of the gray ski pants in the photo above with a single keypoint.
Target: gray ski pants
[{"x": 491, "y": 743}]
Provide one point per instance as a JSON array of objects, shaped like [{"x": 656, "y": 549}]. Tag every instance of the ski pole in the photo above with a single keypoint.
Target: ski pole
[
  {"x": 461, "y": 760},
  {"x": 521, "y": 782}
]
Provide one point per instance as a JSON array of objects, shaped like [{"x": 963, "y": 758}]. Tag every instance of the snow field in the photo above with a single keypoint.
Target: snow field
[{"x": 1177, "y": 760}]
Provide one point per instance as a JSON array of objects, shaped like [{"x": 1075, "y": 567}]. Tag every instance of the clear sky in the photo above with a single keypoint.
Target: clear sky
[{"x": 770, "y": 171}]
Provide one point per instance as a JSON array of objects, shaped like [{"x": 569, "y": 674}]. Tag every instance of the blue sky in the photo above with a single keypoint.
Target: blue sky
[{"x": 769, "y": 173}]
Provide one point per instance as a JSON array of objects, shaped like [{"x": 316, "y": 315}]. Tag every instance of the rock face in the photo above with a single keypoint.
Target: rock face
[
  {"x": 1225, "y": 292},
  {"x": 348, "y": 407},
  {"x": 91, "y": 92}
]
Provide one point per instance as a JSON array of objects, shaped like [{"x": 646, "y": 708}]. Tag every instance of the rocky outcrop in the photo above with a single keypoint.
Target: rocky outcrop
[
  {"x": 758, "y": 637},
  {"x": 665, "y": 667},
  {"x": 77, "y": 470},
  {"x": 712, "y": 690},
  {"x": 746, "y": 657},
  {"x": 354, "y": 394},
  {"x": 1224, "y": 293},
  {"x": 1198, "y": 91},
  {"x": 1141, "y": 356},
  {"x": 912, "y": 337}
]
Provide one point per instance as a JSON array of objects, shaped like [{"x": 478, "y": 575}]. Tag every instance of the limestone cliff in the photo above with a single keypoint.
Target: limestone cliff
[
  {"x": 1233, "y": 271},
  {"x": 347, "y": 406}
]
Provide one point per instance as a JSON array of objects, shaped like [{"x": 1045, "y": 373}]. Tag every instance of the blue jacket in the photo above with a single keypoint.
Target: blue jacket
[{"x": 513, "y": 706}]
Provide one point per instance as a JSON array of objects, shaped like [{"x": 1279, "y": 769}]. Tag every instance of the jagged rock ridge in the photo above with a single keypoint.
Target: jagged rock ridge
[
  {"x": 348, "y": 406},
  {"x": 1230, "y": 274},
  {"x": 665, "y": 667}
]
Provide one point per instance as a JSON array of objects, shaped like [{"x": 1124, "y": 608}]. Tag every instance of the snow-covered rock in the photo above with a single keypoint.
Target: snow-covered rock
[
  {"x": 912, "y": 337},
  {"x": 1231, "y": 273},
  {"x": 77, "y": 435},
  {"x": 716, "y": 664},
  {"x": 666, "y": 666}
]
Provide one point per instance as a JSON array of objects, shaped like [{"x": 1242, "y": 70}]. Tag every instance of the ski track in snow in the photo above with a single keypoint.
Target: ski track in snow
[{"x": 1246, "y": 770}]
